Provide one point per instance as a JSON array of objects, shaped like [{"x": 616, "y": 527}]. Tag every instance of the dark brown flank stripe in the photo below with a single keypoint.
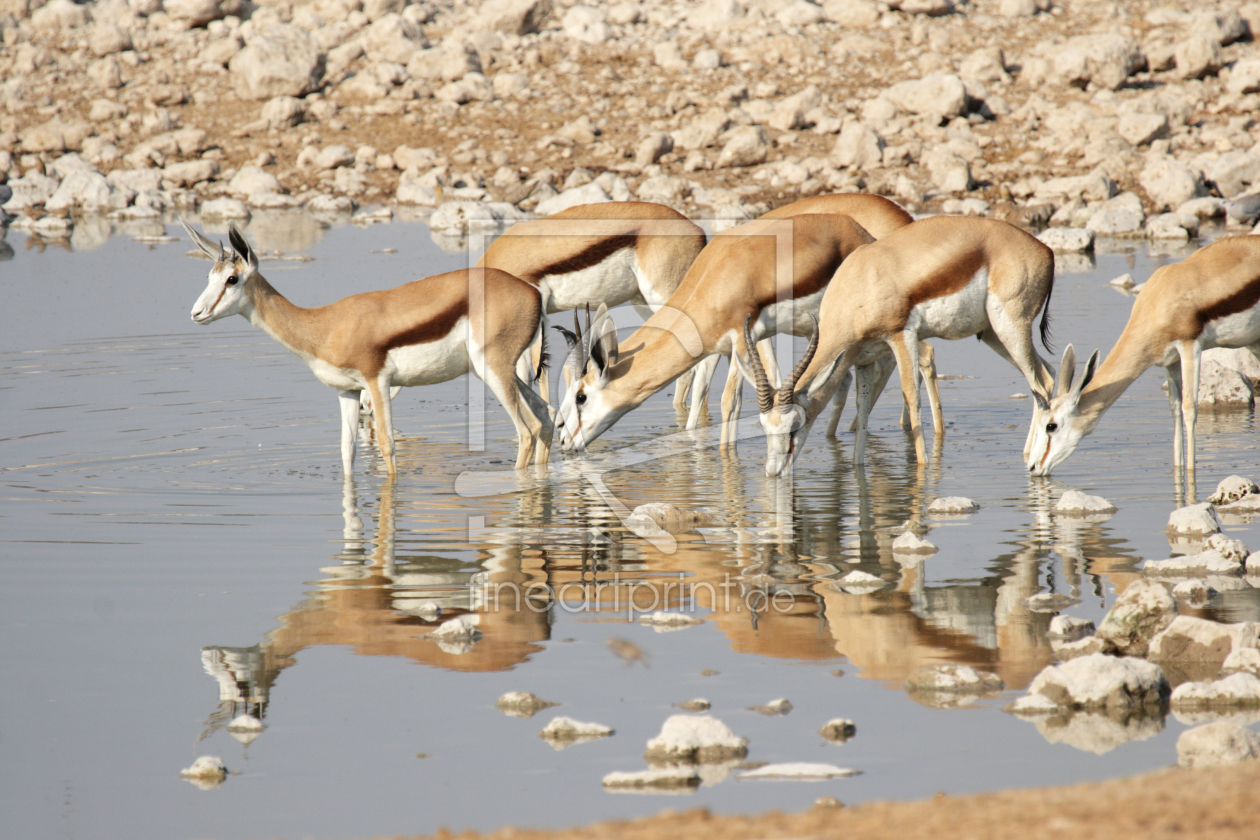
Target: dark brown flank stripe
[
  {"x": 1239, "y": 301},
  {"x": 437, "y": 327},
  {"x": 954, "y": 278},
  {"x": 598, "y": 251}
]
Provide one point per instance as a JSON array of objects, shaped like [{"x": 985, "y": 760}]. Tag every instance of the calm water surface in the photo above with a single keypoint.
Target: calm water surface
[{"x": 179, "y": 548}]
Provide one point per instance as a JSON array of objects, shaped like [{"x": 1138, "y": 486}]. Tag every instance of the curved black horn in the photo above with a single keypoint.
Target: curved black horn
[
  {"x": 789, "y": 386},
  {"x": 765, "y": 396}
]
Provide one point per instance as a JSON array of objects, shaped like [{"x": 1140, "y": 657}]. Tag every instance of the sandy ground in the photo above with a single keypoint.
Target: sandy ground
[{"x": 1218, "y": 803}]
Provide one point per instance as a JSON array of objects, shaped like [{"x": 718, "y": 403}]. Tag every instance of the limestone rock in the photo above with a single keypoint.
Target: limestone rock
[
  {"x": 108, "y": 39},
  {"x": 1118, "y": 216},
  {"x": 949, "y": 172},
  {"x": 910, "y": 543},
  {"x": 1069, "y": 240},
  {"x": 251, "y": 180},
  {"x": 85, "y": 189},
  {"x": 1141, "y": 129},
  {"x": 283, "y": 112},
  {"x": 652, "y": 148},
  {"x": 1198, "y": 56},
  {"x": 1217, "y": 745},
  {"x": 1242, "y": 660},
  {"x": 1244, "y": 76},
  {"x": 852, "y": 14},
  {"x": 745, "y": 146},
  {"x": 923, "y": 7},
  {"x": 1206, "y": 562},
  {"x": 838, "y": 730},
  {"x": 563, "y": 732},
  {"x": 1169, "y": 182},
  {"x": 1087, "y": 646},
  {"x": 859, "y": 146},
  {"x": 1106, "y": 59},
  {"x": 224, "y": 208},
  {"x": 206, "y": 772},
  {"x": 1236, "y": 691},
  {"x": 1234, "y": 171},
  {"x": 1070, "y": 628},
  {"x": 393, "y": 38},
  {"x": 656, "y": 778},
  {"x": 1096, "y": 682},
  {"x": 1189, "y": 639},
  {"x": 1142, "y": 611},
  {"x": 521, "y": 704},
  {"x": 1194, "y": 593},
  {"x": 953, "y": 505},
  {"x": 1198, "y": 520},
  {"x": 514, "y": 17},
  {"x": 698, "y": 739},
  {"x": 800, "y": 771},
  {"x": 282, "y": 61},
  {"x": 200, "y": 12},
  {"x": 587, "y": 24},
  {"x": 666, "y": 517},
  {"x": 953, "y": 679},
  {"x": 591, "y": 193},
  {"x": 938, "y": 93},
  {"x": 703, "y": 131},
  {"x": 1095, "y": 186},
  {"x": 1166, "y": 227},
  {"x": 191, "y": 172},
  {"x": 1076, "y": 503},
  {"x": 1233, "y": 488}
]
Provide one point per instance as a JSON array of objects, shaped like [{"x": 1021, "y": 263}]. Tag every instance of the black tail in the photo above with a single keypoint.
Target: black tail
[
  {"x": 1045, "y": 315},
  {"x": 543, "y": 361}
]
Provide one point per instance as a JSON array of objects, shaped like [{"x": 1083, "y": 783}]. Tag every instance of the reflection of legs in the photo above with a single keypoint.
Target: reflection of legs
[
  {"x": 1174, "y": 405},
  {"x": 1189, "y": 396},
  {"x": 349, "y": 429},
  {"x": 881, "y": 370},
  {"x": 908, "y": 365}
]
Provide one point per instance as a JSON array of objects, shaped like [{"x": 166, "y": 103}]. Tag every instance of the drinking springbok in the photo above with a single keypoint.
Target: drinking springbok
[
  {"x": 1210, "y": 299},
  {"x": 733, "y": 276},
  {"x": 421, "y": 333},
  {"x": 942, "y": 277},
  {"x": 612, "y": 253}
]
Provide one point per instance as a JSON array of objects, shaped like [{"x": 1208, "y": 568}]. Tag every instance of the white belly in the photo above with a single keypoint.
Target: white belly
[
  {"x": 431, "y": 362},
  {"x": 1241, "y": 329},
  {"x": 960, "y": 315},
  {"x": 343, "y": 379},
  {"x": 796, "y": 316},
  {"x": 612, "y": 281}
]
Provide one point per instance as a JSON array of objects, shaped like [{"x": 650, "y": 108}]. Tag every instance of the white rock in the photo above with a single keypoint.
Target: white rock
[
  {"x": 1190, "y": 639},
  {"x": 1095, "y": 186},
  {"x": 799, "y": 771},
  {"x": 662, "y": 620},
  {"x": 1118, "y": 216},
  {"x": 953, "y": 679},
  {"x": 707, "y": 60},
  {"x": 778, "y": 706},
  {"x": 108, "y": 39},
  {"x": 1096, "y": 682},
  {"x": 1070, "y": 240},
  {"x": 200, "y": 12},
  {"x": 1097, "y": 732},
  {"x": 859, "y": 581},
  {"x": 859, "y": 146},
  {"x": 282, "y": 61},
  {"x": 1193, "y": 592},
  {"x": 1198, "y": 56},
  {"x": 460, "y": 627},
  {"x": 282, "y": 112},
  {"x": 1244, "y": 76},
  {"x": 331, "y": 204},
  {"x": 1070, "y": 628},
  {"x": 1217, "y": 745},
  {"x": 591, "y": 193},
  {"x": 910, "y": 543},
  {"x": 798, "y": 13},
  {"x": 245, "y": 728},
  {"x": 838, "y": 730},
  {"x": 224, "y": 208},
  {"x": 86, "y": 189},
  {"x": 653, "y": 517},
  {"x": 514, "y": 17},
  {"x": 1220, "y": 386},
  {"x": 1166, "y": 227},
  {"x": 663, "y": 189},
  {"x": 701, "y": 739},
  {"x": 1076, "y": 503},
  {"x": 1206, "y": 562},
  {"x": 657, "y": 778},
  {"x": 1168, "y": 182},
  {"x": 206, "y": 772},
  {"x": 587, "y": 24},
  {"x": 393, "y": 38},
  {"x": 1230, "y": 549},
  {"x": 1124, "y": 281},
  {"x": 953, "y": 505},
  {"x": 745, "y": 146},
  {"x": 522, "y": 704},
  {"x": 939, "y": 93},
  {"x": 1140, "y": 129},
  {"x": 564, "y": 731},
  {"x": 59, "y": 15},
  {"x": 1236, "y": 690},
  {"x": 1235, "y": 358},
  {"x": 249, "y": 180},
  {"x": 1242, "y": 660},
  {"x": 1106, "y": 59},
  {"x": 1234, "y": 171},
  {"x": 1143, "y": 610},
  {"x": 507, "y": 85},
  {"x": 29, "y": 190},
  {"x": 1199, "y": 520}
]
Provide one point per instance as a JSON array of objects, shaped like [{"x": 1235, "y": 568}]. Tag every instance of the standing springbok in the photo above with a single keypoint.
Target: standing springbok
[
  {"x": 1210, "y": 299},
  {"x": 942, "y": 277},
  {"x": 421, "y": 333},
  {"x": 737, "y": 275},
  {"x": 612, "y": 253}
]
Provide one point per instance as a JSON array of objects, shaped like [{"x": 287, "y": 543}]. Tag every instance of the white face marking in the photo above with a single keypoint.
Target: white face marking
[
  {"x": 224, "y": 294},
  {"x": 1055, "y": 437},
  {"x": 783, "y": 426},
  {"x": 585, "y": 413}
]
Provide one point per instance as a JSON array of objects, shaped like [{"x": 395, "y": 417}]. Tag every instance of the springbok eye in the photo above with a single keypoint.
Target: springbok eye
[
  {"x": 580, "y": 399},
  {"x": 1051, "y": 428},
  {"x": 231, "y": 281}
]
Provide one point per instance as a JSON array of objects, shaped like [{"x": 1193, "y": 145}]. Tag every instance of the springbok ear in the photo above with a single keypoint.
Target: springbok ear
[
  {"x": 237, "y": 239},
  {"x": 742, "y": 366},
  {"x": 823, "y": 377},
  {"x": 1067, "y": 370},
  {"x": 606, "y": 340},
  {"x": 207, "y": 247},
  {"x": 1041, "y": 401},
  {"x": 1091, "y": 367},
  {"x": 570, "y": 337}
]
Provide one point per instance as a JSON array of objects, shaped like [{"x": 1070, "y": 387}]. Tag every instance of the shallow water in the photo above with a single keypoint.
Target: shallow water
[{"x": 180, "y": 548}]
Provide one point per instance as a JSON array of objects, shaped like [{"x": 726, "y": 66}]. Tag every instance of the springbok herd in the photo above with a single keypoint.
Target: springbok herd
[{"x": 856, "y": 274}]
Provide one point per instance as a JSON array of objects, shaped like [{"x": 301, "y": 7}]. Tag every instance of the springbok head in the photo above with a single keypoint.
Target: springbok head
[
  {"x": 584, "y": 412},
  {"x": 782, "y": 411},
  {"x": 1062, "y": 426},
  {"x": 231, "y": 273}
]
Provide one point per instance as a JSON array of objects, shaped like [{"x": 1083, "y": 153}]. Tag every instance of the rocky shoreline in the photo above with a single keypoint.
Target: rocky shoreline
[{"x": 1114, "y": 119}]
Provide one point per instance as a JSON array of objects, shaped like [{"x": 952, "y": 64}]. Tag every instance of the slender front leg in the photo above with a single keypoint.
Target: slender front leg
[
  {"x": 838, "y": 401},
  {"x": 349, "y": 429},
  {"x": 927, "y": 364},
  {"x": 379, "y": 389},
  {"x": 866, "y": 381},
  {"x": 732, "y": 405},
  {"x": 908, "y": 365},
  {"x": 1190, "y": 396},
  {"x": 881, "y": 370},
  {"x": 701, "y": 380},
  {"x": 1174, "y": 405}
]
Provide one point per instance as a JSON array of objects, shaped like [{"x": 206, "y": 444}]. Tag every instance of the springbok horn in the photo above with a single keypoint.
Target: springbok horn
[
  {"x": 784, "y": 397},
  {"x": 222, "y": 253},
  {"x": 765, "y": 397}
]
